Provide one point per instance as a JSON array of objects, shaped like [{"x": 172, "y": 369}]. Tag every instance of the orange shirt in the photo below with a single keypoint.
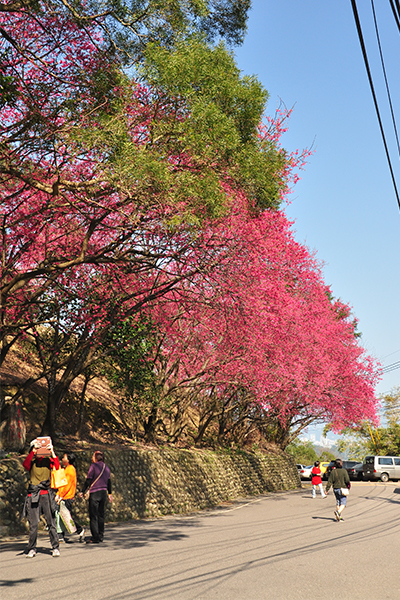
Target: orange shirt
[{"x": 68, "y": 491}]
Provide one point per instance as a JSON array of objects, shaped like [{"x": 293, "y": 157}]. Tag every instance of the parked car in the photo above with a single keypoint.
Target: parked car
[
  {"x": 347, "y": 464},
  {"x": 323, "y": 466},
  {"x": 299, "y": 468},
  {"x": 381, "y": 467},
  {"x": 356, "y": 472},
  {"x": 329, "y": 469},
  {"x": 305, "y": 472}
]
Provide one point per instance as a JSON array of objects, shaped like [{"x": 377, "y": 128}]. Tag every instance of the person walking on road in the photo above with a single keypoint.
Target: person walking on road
[
  {"x": 67, "y": 492},
  {"x": 316, "y": 480},
  {"x": 40, "y": 498},
  {"x": 340, "y": 481},
  {"x": 98, "y": 483}
]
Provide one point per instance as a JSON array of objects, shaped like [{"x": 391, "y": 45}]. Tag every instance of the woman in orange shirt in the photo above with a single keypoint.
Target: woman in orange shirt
[{"x": 67, "y": 492}]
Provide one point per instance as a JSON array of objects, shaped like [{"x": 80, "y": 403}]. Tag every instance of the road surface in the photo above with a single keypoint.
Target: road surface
[{"x": 283, "y": 546}]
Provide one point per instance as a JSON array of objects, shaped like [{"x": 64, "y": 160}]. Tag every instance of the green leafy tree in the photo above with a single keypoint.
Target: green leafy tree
[
  {"x": 225, "y": 111},
  {"x": 391, "y": 405},
  {"x": 302, "y": 451},
  {"x": 366, "y": 439},
  {"x": 327, "y": 456},
  {"x": 128, "y": 364},
  {"x": 389, "y": 439},
  {"x": 354, "y": 443}
]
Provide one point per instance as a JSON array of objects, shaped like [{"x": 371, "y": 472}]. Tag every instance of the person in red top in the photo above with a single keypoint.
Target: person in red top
[
  {"x": 316, "y": 480},
  {"x": 40, "y": 499}
]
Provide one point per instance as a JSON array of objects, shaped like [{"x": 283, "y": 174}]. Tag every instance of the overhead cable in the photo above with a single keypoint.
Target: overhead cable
[
  {"x": 384, "y": 74},
  {"x": 391, "y": 367},
  {"x": 391, "y": 354},
  {"x": 364, "y": 52},
  {"x": 398, "y": 6},
  {"x": 395, "y": 13}
]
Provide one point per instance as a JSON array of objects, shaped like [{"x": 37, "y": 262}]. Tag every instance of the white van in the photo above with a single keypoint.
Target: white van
[{"x": 381, "y": 467}]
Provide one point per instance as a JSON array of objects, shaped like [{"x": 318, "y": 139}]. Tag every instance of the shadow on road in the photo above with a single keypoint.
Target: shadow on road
[
  {"x": 380, "y": 499},
  {"x": 19, "y": 548},
  {"x": 14, "y": 546},
  {"x": 14, "y": 582},
  {"x": 211, "y": 574},
  {"x": 132, "y": 534},
  {"x": 142, "y": 533}
]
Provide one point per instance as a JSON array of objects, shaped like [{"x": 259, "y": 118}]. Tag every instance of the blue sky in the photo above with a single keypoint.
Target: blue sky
[{"x": 307, "y": 54}]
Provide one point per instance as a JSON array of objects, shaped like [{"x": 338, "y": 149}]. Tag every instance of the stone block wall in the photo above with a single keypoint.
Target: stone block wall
[{"x": 152, "y": 483}]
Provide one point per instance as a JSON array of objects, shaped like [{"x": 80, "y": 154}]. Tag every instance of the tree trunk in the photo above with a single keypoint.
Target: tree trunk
[
  {"x": 82, "y": 406},
  {"x": 204, "y": 423},
  {"x": 49, "y": 423},
  {"x": 16, "y": 429},
  {"x": 57, "y": 390},
  {"x": 150, "y": 425}
]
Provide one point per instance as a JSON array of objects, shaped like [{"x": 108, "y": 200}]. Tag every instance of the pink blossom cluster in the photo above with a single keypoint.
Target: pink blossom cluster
[{"x": 263, "y": 320}]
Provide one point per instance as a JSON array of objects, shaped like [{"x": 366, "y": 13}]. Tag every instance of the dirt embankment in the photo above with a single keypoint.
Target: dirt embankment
[{"x": 101, "y": 418}]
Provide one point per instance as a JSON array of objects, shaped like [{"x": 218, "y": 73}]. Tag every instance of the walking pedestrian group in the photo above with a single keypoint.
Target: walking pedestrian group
[
  {"x": 52, "y": 491},
  {"x": 338, "y": 479}
]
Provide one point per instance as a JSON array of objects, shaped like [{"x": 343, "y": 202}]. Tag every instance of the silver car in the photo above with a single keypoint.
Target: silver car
[{"x": 381, "y": 467}]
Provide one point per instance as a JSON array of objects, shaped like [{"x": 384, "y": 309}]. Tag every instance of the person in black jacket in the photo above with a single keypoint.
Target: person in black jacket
[{"x": 339, "y": 479}]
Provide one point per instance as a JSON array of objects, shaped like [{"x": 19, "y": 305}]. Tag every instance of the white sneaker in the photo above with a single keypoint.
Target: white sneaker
[
  {"x": 55, "y": 552},
  {"x": 31, "y": 553},
  {"x": 82, "y": 535}
]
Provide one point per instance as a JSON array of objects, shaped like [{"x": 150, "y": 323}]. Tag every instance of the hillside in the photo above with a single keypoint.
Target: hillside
[{"x": 101, "y": 420}]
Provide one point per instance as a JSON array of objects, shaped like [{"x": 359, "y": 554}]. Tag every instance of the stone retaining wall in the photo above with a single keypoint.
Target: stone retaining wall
[{"x": 152, "y": 483}]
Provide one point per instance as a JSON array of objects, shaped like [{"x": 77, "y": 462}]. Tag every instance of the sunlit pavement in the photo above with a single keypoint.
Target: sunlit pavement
[{"x": 283, "y": 546}]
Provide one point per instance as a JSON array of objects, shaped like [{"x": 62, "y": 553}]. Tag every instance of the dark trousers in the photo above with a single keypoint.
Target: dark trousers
[
  {"x": 35, "y": 509},
  {"x": 69, "y": 503},
  {"x": 97, "y": 503}
]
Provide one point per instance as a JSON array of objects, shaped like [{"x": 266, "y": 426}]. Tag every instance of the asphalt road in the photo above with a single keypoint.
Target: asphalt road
[{"x": 283, "y": 546}]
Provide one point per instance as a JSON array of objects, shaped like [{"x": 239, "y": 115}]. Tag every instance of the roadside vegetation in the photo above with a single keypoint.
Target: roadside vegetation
[
  {"x": 358, "y": 442},
  {"x": 151, "y": 286}
]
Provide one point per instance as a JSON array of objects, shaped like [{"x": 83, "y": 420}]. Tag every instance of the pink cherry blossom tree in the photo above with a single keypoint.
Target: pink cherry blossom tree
[{"x": 263, "y": 322}]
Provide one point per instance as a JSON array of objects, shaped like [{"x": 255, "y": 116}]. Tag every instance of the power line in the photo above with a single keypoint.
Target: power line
[
  {"x": 396, "y": 16},
  {"x": 391, "y": 367},
  {"x": 364, "y": 52},
  {"x": 384, "y": 74},
  {"x": 391, "y": 354}
]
